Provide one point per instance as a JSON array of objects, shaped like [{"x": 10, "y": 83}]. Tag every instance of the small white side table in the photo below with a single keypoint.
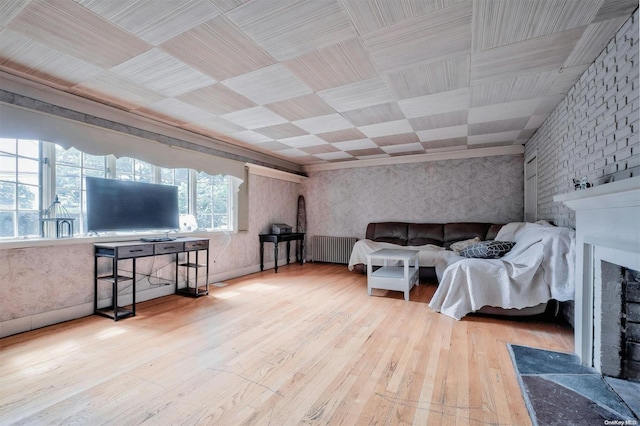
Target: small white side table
[{"x": 397, "y": 278}]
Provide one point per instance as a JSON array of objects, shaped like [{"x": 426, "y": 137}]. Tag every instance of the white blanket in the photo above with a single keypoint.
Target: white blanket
[
  {"x": 540, "y": 267},
  {"x": 427, "y": 257}
]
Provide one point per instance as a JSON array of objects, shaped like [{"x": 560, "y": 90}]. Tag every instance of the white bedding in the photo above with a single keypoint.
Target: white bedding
[
  {"x": 427, "y": 257},
  {"x": 540, "y": 267}
]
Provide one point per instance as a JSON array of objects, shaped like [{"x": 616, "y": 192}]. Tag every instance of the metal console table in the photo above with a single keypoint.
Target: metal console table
[{"x": 117, "y": 251}]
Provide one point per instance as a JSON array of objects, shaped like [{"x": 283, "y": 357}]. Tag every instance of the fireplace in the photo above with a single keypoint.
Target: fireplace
[
  {"x": 607, "y": 265},
  {"x": 617, "y": 336}
]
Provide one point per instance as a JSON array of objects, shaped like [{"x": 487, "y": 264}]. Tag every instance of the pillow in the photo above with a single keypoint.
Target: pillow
[
  {"x": 488, "y": 249},
  {"x": 459, "y": 245}
]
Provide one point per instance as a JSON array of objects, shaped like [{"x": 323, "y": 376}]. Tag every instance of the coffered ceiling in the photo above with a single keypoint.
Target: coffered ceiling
[{"x": 318, "y": 81}]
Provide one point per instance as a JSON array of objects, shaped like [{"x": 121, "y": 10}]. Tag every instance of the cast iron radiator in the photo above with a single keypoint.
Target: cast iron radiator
[{"x": 332, "y": 249}]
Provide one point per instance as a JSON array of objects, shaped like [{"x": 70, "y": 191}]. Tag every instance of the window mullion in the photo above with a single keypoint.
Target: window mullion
[
  {"x": 111, "y": 167},
  {"x": 193, "y": 191},
  {"x": 157, "y": 174},
  {"x": 48, "y": 174}
]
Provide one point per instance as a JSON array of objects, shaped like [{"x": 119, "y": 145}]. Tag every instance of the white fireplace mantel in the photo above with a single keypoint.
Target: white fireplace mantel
[
  {"x": 607, "y": 224},
  {"x": 621, "y": 193}
]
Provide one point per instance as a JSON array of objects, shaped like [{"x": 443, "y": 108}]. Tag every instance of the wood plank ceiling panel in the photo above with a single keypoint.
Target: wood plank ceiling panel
[
  {"x": 68, "y": 27},
  {"x": 438, "y": 35},
  {"x": 615, "y": 8},
  {"x": 445, "y": 145},
  {"x": 429, "y": 78},
  {"x": 498, "y": 126},
  {"x": 548, "y": 104},
  {"x": 593, "y": 41},
  {"x": 386, "y": 128},
  {"x": 162, "y": 73},
  {"x": 282, "y": 131},
  {"x": 502, "y": 22},
  {"x": 434, "y": 121},
  {"x": 453, "y": 100},
  {"x": 320, "y": 149},
  {"x": 372, "y": 15},
  {"x": 399, "y": 139},
  {"x": 303, "y": 141},
  {"x": 218, "y": 49},
  {"x": 217, "y": 99},
  {"x": 9, "y": 10},
  {"x": 512, "y": 89},
  {"x": 32, "y": 59},
  {"x": 301, "y": 107},
  {"x": 252, "y": 137},
  {"x": 358, "y": 95},
  {"x": 182, "y": 111},
  {"x": 110, "y": 88},
  {"x": 374, "y": 114},
  {"x": 494, "y": 139},
  {"x": 154, "y": 21},
  {"x": 357, "y": 144},
  {"x": 288, "y": 28},
  {"x": 535, "y": 55},
  {"x": 254, "y": 118},
  {"x": 268, "y": 85},
  {"x": 444, "y": 133},
  {"x": 565, "y": 79},
  {"x": 503, "y": 111},
  {"x": 324, "y": 123},
  {"x": 227, "y": 5},
  {"x": 342, "y": 135},
  {"x": 405, "y": 149},
  {"x": 216, "y": 124},
  {"x": 342, "y": 63}
]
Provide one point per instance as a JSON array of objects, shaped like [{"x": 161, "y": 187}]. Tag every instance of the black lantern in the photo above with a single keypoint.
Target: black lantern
[{"x": 57, "y": 218}]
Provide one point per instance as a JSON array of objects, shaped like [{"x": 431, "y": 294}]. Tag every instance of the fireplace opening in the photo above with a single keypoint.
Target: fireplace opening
[{"x": 620, "y": 322}]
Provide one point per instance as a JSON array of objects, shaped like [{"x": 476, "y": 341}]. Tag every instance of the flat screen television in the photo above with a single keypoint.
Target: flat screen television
[{"x": 115, "y": 205}]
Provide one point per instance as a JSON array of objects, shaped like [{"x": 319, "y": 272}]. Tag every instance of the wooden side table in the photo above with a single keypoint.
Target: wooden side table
[
  {"x": 388, "y": 277},
  {"x": 277, "y": 238}
]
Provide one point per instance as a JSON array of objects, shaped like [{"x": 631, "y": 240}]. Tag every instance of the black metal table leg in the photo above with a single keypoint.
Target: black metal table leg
[{"x": 275, "y": 253}]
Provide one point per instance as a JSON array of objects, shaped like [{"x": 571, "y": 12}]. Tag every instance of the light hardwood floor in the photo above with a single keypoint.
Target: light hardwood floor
[{"x": 303, "y": 346}]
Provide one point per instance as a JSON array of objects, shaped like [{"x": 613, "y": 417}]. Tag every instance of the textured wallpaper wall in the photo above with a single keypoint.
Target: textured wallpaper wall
[
  {"x": 39, "y": 280},
  {"x": 343, "y": 202}
]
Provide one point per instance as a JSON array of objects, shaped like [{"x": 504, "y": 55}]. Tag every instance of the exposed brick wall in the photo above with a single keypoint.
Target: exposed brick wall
[{"x": 594, "y": 130}]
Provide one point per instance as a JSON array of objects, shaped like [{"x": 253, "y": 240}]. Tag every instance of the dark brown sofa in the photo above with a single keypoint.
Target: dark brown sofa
[{"x": 418, "y": 234}]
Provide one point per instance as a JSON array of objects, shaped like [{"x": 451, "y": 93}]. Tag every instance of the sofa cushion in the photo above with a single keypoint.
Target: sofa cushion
[
  {"x": 487, "y": 249},
  {"x": 458, "y": 231},
  {"x": 493, "y": 232},
  {"x": 420, "y": 234},
  {"x": 390, "y": 232}
]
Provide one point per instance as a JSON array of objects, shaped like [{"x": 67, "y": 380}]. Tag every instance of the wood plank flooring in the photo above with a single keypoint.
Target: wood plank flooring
[{"x": 303, "y": 346}]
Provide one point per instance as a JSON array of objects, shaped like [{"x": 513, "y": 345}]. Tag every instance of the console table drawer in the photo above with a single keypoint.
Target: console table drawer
[
  {"x": 135, "y": 251},
  {"x": 170, "y": 247},
  {"x": 196, "y": 245}
]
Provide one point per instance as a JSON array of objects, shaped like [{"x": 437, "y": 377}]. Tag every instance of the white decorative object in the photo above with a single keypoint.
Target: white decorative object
[
  {"x": 391, "y": 277},
  {"x": 188, "y": 223}
]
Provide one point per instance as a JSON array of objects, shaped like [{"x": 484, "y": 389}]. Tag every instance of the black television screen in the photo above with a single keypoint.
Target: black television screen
[{"x": 115, "y": 205}]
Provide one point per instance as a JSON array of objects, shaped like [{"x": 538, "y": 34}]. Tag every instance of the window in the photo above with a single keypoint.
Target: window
[
  {"x": 71, "y": 167},
  {"x": 213, "y": 202},
  {"x": 33, "y": 173},
  {"x": 136, "y": 170},
  {"x": 181, "y": 179},
  {"x": 19, "y": 187}
]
